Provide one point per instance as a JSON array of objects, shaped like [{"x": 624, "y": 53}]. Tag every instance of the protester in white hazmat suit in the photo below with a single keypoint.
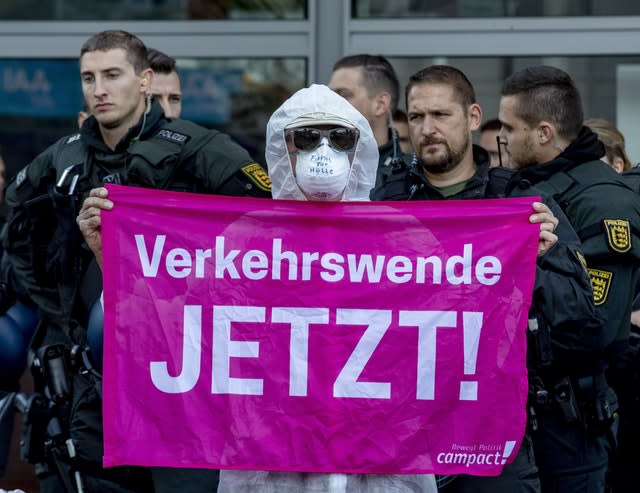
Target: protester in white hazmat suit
[{"x": 321, "y": 148}]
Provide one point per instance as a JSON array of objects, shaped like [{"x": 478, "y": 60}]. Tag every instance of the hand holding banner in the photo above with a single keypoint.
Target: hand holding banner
[{"x": 324, "y": 337}]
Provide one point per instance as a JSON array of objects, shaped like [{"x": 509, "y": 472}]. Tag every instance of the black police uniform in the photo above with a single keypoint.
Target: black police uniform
[
  {"x": 391, "y": 158},
  {"x": 53, "y": 265},
  {"x": 632, "y": 177},
  {"x": 623, "y": 467},
  {"x": 563, "y": 327},
  {"x": 605, "y": 213}
]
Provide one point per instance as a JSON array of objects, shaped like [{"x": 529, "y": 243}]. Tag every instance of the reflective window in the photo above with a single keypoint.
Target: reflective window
[
  {"x": 492, "y": 8},
  {"x": 151, "y": 9},
  {"x": 39, "y": 100},
  {"x": 238, "y": 96},
  {"x": 607, "y": 84}
]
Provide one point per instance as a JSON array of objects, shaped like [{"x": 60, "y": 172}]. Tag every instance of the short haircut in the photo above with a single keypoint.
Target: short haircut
[
  {"x": 377, "y": 75},
  {"x": 399, "y": 116},
  {"x": 493, "y": 124},
  {"x": 547, "y": 93},
  {"x": 612, "y": 139},
  {"x": 110, "y": 40},
  {"x": 160, "y": 62},
  {"x": 446, "y": 75}
]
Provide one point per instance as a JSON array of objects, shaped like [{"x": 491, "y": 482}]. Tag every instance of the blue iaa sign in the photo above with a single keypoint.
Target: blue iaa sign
[{"x": 49, "y": 88}]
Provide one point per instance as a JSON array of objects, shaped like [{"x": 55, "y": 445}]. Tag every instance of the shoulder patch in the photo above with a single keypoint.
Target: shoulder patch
[
  {"x": 21, "y": 176},
  {"x": 258, "y": 175},
  {"x": 73, "y": 138},
  {"x": 600, "y": 282},
  {"x": 618, "y": 234},
  {"x": 172, "y": 136}
]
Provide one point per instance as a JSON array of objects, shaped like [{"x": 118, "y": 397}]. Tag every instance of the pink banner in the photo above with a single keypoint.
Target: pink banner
[{"x": 383, "y": 337}]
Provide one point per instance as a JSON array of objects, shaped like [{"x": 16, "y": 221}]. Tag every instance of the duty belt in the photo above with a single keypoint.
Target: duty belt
[
  {"x": 45, "y": 440},
  {"x": 579, "y": 400}
]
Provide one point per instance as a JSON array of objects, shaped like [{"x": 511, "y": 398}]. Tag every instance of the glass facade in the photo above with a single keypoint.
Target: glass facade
[
  {"x": 238, "y": 96},
  {"x": 71, "y": 10},
  {"x": 596, "y": 77},
  {"x": 384, "y": 9}
]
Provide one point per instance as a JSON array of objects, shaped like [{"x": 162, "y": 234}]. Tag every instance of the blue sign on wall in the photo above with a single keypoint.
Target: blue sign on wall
[
  {"x": 46, "y": 88},
  {"x": 52, "y": 88}
]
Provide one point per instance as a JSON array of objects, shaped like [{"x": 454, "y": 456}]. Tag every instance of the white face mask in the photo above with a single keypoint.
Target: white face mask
[{"x": 323, "y": 173}]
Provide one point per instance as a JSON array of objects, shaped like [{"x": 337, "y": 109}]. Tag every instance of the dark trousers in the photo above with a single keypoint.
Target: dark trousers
[
  {"x": 167, "y": 480},
  {"x": 120, "y": 480},
  {"x": 623, "y": 465},
  {"x": 624, "y": 377},
  {"x": 521, "y": 476},
  {"x": 571, "y": 459},
  {"x": 154, "y": 480}
]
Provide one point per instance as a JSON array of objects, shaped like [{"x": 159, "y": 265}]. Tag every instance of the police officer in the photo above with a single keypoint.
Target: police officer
[
  {"x": 625, "y": 376},
  {"x": 126, "y": 140},
  {"x": 443, "y": 113},
  {"x": 370, "y": 83},
  {"x": 165, "y": 86},
  {"x": 542, "y": 121}
]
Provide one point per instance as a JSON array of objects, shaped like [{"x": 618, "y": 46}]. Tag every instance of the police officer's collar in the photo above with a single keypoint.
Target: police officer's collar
[
  {"x": 586, "y": 147},
  {"x": 90, "y": 131},
  {"x": 478, "y": 181}
]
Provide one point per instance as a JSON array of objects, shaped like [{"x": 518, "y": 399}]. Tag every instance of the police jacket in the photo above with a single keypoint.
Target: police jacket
[
  {"x": 605, "y": 213},
  {"x": 632, "y": 177},
  {"x": 46, "y": 250},
  {"x": 391, "y": 158},
  {"x": 568, "y": 334}
]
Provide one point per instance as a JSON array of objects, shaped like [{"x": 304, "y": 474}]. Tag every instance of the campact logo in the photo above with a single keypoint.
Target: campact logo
[{"x": 470, "y": 455}]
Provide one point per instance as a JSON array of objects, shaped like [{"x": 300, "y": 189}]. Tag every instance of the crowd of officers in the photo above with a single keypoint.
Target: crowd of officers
[{"x": 582, "y": 356}]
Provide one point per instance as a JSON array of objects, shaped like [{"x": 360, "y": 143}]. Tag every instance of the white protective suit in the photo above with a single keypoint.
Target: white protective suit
[{"x": 321, "y": 99}]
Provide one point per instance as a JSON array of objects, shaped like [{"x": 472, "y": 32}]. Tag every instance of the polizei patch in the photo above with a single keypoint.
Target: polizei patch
[
  {"x": 258, "y": 175},
  {"x": 600, "y": 282},
  {"x": 173, "y": 136},
  {"x": 618, "y": 234}
]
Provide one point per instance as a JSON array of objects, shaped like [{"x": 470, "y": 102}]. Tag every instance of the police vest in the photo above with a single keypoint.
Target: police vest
[
  {"x": 575, "y": 191},
  {"x": 162, "y": 161},
  {"x": 46, "y": 222}
]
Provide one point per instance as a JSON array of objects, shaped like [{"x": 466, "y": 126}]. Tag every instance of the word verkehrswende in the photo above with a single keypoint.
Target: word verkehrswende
[{"x": 278, "y": 263}]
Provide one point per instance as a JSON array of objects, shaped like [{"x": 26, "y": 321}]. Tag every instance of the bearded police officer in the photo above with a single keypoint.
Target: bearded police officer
[
  {"x": 127, "y": 140},
  {"x": 542, "y": 121},
  {"x": 443, "y": 113}
]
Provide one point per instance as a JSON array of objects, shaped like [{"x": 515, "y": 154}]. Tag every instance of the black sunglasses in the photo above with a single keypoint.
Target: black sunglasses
[{"x": 307, "y": 138}]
